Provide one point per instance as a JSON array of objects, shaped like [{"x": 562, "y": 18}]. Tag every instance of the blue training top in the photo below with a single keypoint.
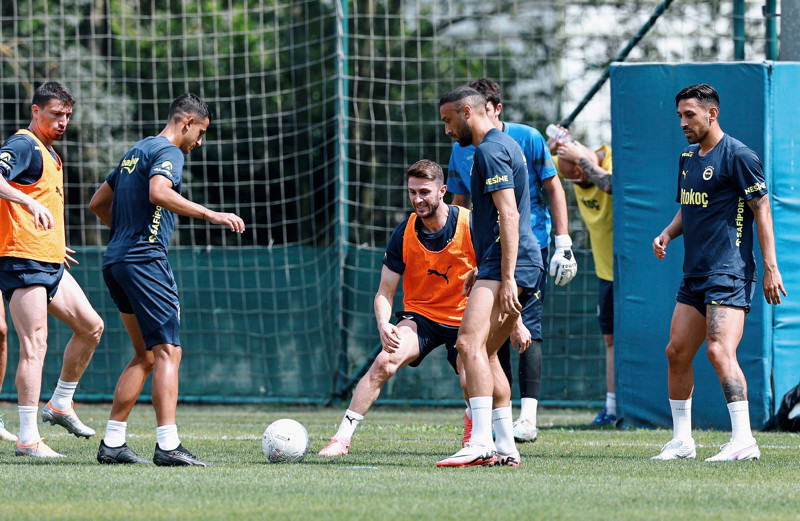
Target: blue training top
[
  {"x": 140, "y": 230},
  {"x": 499, "y": 164},
  {"x": 540, "y": 167},
  {"x": 713, "y": 191}
]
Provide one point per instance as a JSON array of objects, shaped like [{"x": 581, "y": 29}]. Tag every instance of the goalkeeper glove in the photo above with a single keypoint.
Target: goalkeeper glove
[{"x": 563, "y": 265}]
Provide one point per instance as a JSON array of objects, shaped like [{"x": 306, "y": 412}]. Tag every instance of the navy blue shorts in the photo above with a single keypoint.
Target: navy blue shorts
[
  {"x": 147, "y": 290},
  {"x": 431, "y": 335},
  {"x": 531, "y": 317},
  {"x": 526, "y": 276},
  {"x": 532, "y": 308},
  {"x": 716, "y": 290},
  {"x": 24, "y": 273},
  {"x": 605, "y": 306}
]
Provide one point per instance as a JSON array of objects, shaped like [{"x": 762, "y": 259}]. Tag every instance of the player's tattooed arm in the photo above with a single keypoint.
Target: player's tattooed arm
[
  {"x": 597, "y": 175},
  {"x": 758, "y": 202}
]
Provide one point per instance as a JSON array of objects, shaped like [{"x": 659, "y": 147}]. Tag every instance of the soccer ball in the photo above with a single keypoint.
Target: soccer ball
[{"x": 285, "y": 441}]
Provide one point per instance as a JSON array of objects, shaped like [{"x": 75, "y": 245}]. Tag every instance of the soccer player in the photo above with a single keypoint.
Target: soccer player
[
  {"x": 509, "y": 266},
  {"x": 721, "y": 190},
  {"x": 590, "y": 171},
  {"x": 4, "y": 434},
  {"x": 33, "y": 255},
  {"x": 541, "y": 177},
  {"x": 139, "y": 200},
  {"x": 432, "y": 250}
]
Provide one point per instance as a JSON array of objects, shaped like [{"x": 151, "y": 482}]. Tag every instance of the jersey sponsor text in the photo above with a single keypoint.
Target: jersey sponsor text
[
  {"x": 129, "y": 165},
  {"x": 497, "y": 179},
  {"x": 690, "y": 197},
  {"x": 156, "y": 224}
]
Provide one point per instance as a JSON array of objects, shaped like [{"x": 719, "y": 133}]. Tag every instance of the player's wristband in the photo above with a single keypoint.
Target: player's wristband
[{"x": 563, "y": 242}]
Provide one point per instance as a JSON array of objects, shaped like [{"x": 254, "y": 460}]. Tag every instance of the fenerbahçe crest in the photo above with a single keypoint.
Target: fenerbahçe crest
[{"x": 708, "y": 172}]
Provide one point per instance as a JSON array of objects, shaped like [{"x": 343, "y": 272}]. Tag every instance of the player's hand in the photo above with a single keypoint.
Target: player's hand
[
  {"x": 390, "y": 337},
  {"x": 773, "y": 285},
  {"x": 41, "y": 215},
  {"x": 472, "y": 276},
  {"x": 563, "y": 265},
  {"x": 509, "y": 298},
  {"x": 520, "y": 337},
  {"x": 660, "y": 245},
  {"x": 572, "y": 152},
  {"x": 68, "y": 258},
  {"x": 553, "y": 144},
  {"x": 230, "y": 220}
]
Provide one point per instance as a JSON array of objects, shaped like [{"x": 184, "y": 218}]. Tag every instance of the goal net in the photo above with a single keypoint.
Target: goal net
[{"x": 318, "y": 109}]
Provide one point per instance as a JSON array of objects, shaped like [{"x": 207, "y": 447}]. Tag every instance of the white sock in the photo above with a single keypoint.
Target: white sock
[
  {"x": 167, "y": 437},
  {"x": 115, "y": 433},
  {"x": 62, "y": 396},
  {"x": 503, "y": 430},
  {"x": 740, "y": 421},
  {"x": 481, "y": 421},
  {"x": 468, "y": 411},
  {"x": 611, "y": 403},
  {"x": 681, "y": 419},
  {"x": 348, "y": 426},
  {"x": 527, "y": 409},
  {"x": 28, "y": 426}
]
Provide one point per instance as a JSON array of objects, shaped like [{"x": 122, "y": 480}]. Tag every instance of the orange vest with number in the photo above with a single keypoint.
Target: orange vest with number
[
  {"x": 19, "y": 237},
  {"x": 433, "y": 280}
]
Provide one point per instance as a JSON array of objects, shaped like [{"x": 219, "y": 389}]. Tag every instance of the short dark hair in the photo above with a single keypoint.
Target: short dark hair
[
  {"x": 464, "y": 96},
  {"x": 490, "y": 89},
  {"x": 426, "y": 169},
  {"x": 702, "y": 92},
  {"x": 52, "y": 89},
  {"x": 189, "y": 105}
]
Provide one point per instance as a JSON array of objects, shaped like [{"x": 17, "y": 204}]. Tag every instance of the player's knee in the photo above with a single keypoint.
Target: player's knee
[
  {"x": 718, "y": 354},
  {"x": 96, "y": 329},
  {"x": 464, "y": 347},
  {"x": 167, "y": 353},
  {"x": 144, "y": 359},
  {"x": 33, "y": 349},
  {"x": 677, "y": 355},
  {"x": 383, "y": 368}
]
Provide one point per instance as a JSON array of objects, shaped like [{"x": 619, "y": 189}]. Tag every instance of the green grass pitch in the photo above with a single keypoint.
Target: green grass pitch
[{"x": 570, "y": 473}]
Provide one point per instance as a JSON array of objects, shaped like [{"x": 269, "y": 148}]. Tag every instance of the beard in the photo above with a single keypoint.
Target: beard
[
  {"x": 695, "y": 138},
  {"x": 464, "y": 135},
  {"x": 431, "y": 209}
]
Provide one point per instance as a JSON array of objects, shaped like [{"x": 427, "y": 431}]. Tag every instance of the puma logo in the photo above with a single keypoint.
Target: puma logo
[
  {"x": 443, "y": 275},
  {"x": 351, "y": 420}
]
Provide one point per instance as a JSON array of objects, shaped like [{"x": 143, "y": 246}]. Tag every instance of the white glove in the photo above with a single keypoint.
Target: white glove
[{"x": 563, "y": 265}]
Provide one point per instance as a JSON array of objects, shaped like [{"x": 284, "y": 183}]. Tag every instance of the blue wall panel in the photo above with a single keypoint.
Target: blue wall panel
[
  {"x": 647, "y": 142},
  {"x": 785, "y": 144}
]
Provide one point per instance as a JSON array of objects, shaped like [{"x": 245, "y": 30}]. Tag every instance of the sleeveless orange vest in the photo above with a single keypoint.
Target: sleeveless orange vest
[
  {"x": 433, "y": 281},
  {"x": 18, "y": 235}
]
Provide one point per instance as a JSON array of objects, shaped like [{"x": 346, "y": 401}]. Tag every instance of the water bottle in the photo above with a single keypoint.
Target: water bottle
[{"x": 559, "y": 135}]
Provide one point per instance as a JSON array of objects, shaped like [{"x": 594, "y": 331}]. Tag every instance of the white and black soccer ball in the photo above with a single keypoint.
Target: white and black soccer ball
[{"x": 285, "y": 441}]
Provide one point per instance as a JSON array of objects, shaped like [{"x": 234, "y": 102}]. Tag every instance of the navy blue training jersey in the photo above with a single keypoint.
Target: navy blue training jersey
[
  {"x": 20, "y": 160},
  {"x": 500, "y": 164},
  {"x": 140, "y": 230},
  {"x": 713, "y": 191},
  {"x": 393, "y": 257}
]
